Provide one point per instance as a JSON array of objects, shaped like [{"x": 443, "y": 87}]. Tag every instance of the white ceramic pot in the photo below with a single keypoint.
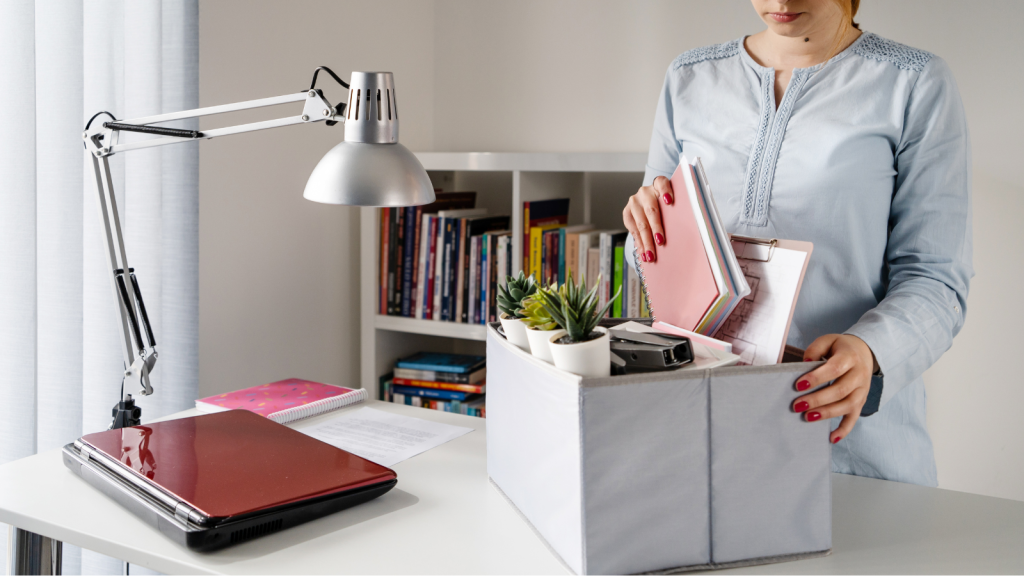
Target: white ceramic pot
[
  {"x": 540, "y": 342},
  {"x": 515, "y": 331},
  {"x": 590, "y": 358}
]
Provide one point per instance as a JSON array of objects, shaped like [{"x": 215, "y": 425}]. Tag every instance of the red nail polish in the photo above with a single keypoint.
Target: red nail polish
[
  {"x": 658, "y": 238},
  {"x": 812, "y": 416},
  {"x": 803, "y": 385},
  {"x": 801, "y": 406},
  {"x": 650, "y": 256},
  {"x": 667, "y": 199},
  {"x": 808, "y": 359},
  {"x": 837, "y": 439}
]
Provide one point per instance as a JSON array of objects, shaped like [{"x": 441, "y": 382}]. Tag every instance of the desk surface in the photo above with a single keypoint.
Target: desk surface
[{"x": 444, "y": 517}]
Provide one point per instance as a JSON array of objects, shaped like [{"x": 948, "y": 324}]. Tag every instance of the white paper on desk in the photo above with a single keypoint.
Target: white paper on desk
[{"x": 382, "y": 437}]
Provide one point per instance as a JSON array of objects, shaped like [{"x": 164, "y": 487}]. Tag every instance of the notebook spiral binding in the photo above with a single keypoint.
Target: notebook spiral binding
[
  {"x": 320, "y": 406},
  {"x": 643, "y": 282}
]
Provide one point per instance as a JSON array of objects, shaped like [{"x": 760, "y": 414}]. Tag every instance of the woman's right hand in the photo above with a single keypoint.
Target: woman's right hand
[{"x": 642, "y": 217}]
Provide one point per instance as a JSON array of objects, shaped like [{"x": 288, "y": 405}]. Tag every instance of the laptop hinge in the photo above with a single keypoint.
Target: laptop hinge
[{"x": 85, "y": 450}]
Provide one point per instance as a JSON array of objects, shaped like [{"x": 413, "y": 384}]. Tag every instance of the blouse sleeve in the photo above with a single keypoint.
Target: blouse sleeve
[
  {"x": 928, "y": 254},
  {"x": 663, "y": 156}
]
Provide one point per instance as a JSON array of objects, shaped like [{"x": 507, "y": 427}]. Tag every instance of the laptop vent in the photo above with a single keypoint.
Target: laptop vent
[{"x": 255, "y": 531}]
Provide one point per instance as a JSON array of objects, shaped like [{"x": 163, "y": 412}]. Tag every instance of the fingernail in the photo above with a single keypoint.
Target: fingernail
[
  {"x": 646, "y": 259},
  {"x": 658, "y": 238},
  {"x": 667, "y": 198},
  {"x": 803, "y": 385},
  {"x": 837, "y": 439},
  {"x": 808, "y": 360},
  {"x": 650, "y": 256},
  {"x": 812, "y": 416},
  {"x": 801, "y": 406}
]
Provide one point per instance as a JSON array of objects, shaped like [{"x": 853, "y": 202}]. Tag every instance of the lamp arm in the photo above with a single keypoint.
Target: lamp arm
[{"x": 101, "y": 142}]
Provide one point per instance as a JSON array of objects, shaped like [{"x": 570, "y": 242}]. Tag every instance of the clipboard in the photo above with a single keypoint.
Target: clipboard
[{"x": 772, "y": 266}]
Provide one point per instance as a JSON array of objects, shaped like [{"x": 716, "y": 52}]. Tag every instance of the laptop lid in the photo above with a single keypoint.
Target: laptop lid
[{"x": 233, "y": 463}]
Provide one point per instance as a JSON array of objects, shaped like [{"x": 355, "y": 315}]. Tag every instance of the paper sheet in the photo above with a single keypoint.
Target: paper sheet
[
  {"x": 382, "y": 437},
  {"x": 757, "y": 328}
]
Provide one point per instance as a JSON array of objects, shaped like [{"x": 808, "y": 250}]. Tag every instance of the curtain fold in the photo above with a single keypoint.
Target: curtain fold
[{"x": 61, "y": 61}]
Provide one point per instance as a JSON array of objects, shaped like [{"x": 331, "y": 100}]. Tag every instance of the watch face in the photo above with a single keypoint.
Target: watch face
[{"x": 235, "y": 462}]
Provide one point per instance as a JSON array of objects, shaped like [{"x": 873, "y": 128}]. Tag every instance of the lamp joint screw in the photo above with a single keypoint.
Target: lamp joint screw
[
  {"x": 305, "y": 118},
  {"x": 85, "y": 135},
  {"x": 312, "y": 93},
  {"x": 327, "y": 112}
]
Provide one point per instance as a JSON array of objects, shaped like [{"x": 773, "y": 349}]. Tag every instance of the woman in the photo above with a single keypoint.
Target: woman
[{"x": 812, "y": 130}]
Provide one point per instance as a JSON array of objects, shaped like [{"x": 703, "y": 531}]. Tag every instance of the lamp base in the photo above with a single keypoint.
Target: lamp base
[{"x": 126, "y": 414}]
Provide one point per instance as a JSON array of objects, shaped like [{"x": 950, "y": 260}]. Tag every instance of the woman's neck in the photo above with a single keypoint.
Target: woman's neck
[{"x": 772, "y": 50}]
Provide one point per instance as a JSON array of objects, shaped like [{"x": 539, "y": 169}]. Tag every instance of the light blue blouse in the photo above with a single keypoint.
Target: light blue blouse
[{"x": 868, "y": 157}]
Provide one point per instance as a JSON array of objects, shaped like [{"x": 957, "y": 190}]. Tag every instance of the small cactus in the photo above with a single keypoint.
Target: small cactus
[{"x": 514, "y": 292}]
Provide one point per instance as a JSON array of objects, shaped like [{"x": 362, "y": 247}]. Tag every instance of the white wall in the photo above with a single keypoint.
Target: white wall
[{"x": 277, "y": 292}]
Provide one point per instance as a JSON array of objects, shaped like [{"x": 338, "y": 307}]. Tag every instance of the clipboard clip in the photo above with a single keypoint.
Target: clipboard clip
[{"x": 771, "y": 243}]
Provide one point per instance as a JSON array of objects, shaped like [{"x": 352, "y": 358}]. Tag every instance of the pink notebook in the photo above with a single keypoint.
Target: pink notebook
[
  {"x": 285, "y": 400},
  {"x": 680, "y": 284}
]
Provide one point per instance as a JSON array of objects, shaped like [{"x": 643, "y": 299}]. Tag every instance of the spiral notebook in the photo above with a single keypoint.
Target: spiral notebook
[{"x": 285, "y": 400}]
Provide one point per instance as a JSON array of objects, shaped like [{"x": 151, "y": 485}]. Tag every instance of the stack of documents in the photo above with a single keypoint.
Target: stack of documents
[{"x": 696, "y": 281}]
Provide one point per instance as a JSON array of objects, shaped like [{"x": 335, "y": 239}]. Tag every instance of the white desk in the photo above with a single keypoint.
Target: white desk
[{"x": 444, "y": 517}]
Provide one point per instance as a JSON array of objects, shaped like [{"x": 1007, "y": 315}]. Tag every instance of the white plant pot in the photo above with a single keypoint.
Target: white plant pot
[
  {"x": 515, "y": 331},
  {"x": 590, "y": 358},
  {"x": 540, "y": 342}
]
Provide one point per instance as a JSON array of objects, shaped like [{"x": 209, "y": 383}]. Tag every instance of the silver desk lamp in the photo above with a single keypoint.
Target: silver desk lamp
[{"x": 368, "y": 168}]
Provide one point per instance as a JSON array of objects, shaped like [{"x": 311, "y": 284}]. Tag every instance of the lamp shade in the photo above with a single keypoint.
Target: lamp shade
[
  {"x": 360, "y": 174},
  {"x": 370, "y": 168}
]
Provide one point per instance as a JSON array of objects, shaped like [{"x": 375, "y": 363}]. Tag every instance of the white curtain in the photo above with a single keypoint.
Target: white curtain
[{"x": 60, "y": 362}]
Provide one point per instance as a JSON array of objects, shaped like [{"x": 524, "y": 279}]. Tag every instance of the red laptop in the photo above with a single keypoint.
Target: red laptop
[{"x": 218, "y": 479}]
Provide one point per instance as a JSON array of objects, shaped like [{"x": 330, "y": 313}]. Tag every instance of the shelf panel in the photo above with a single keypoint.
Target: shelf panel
[
  {"x": 431, "y": 327},
  {"x": 535, "y": 161}
]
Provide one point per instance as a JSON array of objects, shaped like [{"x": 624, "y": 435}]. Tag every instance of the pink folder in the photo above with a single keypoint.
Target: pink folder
[{"x": 680, "y": 285}]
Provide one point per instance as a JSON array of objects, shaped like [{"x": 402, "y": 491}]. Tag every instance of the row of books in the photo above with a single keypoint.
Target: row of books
[
  {"x": 443, "y": 261},
  {"x": 445, "y": 382}
]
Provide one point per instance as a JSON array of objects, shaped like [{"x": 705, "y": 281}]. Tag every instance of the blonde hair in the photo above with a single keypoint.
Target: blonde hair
[{"x": 849, "y": 10}]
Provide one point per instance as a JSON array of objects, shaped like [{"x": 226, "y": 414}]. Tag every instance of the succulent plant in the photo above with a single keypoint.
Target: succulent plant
[
  {"x": 535, "y": 315},
  {"x": 512, "y": 294},
  {"x": 575, "y": 309}
]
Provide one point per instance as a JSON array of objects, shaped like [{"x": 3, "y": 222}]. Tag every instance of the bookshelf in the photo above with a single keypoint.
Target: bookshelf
[{"x": 598, "y": 185}]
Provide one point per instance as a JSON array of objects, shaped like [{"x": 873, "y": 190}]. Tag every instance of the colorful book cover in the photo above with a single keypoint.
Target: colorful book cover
[
  {"x": 442, "y": 362},
  {"x": 392, "y": 257},
  {"x": 409, "y": 239},
  {"x": 539, "y": 213},
  {"x": 283, "y": 401},
  {"x": 536, "y": 260},
  {"x": 438, "y": 268},
  {"x": 474, "y": 377}
]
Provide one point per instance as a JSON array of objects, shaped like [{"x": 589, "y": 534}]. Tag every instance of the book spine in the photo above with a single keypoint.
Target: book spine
[
  {"x": 471, "y": 388},
  {"x": 474, "y": 273},
  {"x": 414, "y": 297},
  {"x": 617, "y": 282},
  {"x": 561, "y": 256},
  {"x": 501, "y": 259},
  {"x": 460, "y": 272},
  {"x": 453, "y": 290},
  {"x": 392, "y": 257},
  {"x": 526, "y": 237},
  {"x": 431, "y": 392},
  {"x": 633, "y": 290},
  {"x": 467, "y": 261},
  {"x": 582, "y": 253},
  {"x": 407, "y": 260},
  {"x": 593, "y": 265},
  {"x": 435, "y": 313},
  {"x": 536, "y": 248},
  {"x": 385, "y": 221},
  {"x": 492, "y": 282},
  {"x": 399, "y": 262},
  {"x": 605, "y": 270},
  {"x": 434, "y": 375},
  {"x": 545, "y": 260},
  {"x": 446, "y": 285},
  {"x": 572, "y": 257},
  {"x": 424, "y": 264},
  {"x": 485, "y": 276}
]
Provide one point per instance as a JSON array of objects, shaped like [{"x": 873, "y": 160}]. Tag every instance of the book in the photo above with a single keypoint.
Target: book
[
  {"x": 285, "y": 400},
  {"x": 392, "y": 257},
  {"x": 442, "y": 362},
  {"x": 571, "y": 243},
  {"x": 432, "y": 393},
  {"x": 438, "y": 286},
  {"x": 540, "y": 213},
  {"x": 408, "y": 235},
  {"x": 436, "y": 376},
  {"x": 607, "y": 265},
  {"x": 617, "y": 262},
  {"x": 593, "y": 266},
  {"x": 536, "y": 258},
  {"x": 478, "y": 388},
  {"x": 588, "y": 239},
  {"x": 633, "y": 290},
  {"x": 422, "y": 269},
  {"x": 450, "y": 201},
  {"x": 385, "y": 220}
]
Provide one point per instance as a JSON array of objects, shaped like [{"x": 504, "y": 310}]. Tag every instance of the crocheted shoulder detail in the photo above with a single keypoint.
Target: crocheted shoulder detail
[
  {"x": 903, "y": 57},
  {"x": 712, "y": 52}
]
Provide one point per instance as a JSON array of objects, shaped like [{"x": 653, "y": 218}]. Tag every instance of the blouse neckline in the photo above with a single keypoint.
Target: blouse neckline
[{"x": 749, "y": 60}]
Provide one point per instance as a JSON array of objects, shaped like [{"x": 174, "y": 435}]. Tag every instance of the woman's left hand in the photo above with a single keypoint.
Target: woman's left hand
[{"x": 850, "y": 363}]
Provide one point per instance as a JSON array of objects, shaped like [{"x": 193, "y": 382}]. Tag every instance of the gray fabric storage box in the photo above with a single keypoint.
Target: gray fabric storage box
[{"x": 659, "y": 472}]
